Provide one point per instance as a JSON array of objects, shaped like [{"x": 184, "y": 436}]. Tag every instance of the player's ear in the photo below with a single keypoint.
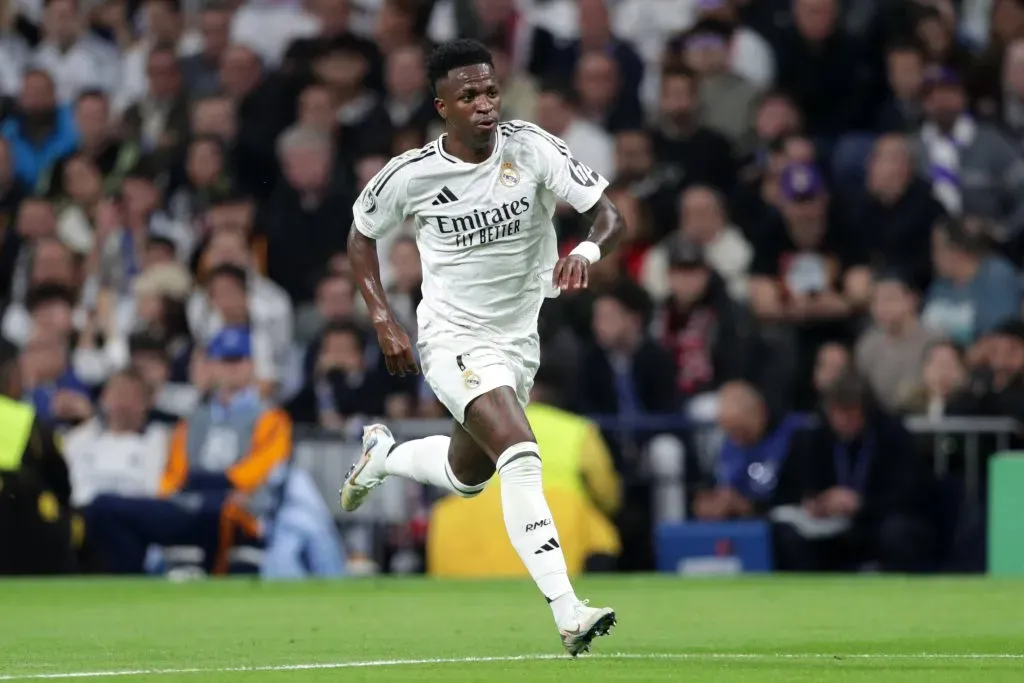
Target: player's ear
[{"x": 439, "y": 106}]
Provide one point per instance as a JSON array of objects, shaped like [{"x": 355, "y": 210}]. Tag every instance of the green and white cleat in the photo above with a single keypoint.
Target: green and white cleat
[
  {"x": 368, "y": 472},
  {"x": 590, "y": 623}
]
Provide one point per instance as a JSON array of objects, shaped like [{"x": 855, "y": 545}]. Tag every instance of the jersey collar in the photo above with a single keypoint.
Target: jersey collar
[{"x": 455, "y": 160}]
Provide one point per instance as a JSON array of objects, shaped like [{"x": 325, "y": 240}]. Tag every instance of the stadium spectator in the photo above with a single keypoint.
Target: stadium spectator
[
  {"x": 703, "y": 221},
  {"x": 973, "y": 168},
  {"x": 692, "y": 152},
  {"x": 899, "y": 211},
  {"x": 974, "y": 290},
  {"x": 518, "y": 89},
  {"x": 942, "y": 375},
  {"x": 41, "y": 131},
  {"x": 603, "y": 97},
  {"x": 350, "y": 383},
  {"x": 996, "y": 385},
  {"x": 752, "y": 463},
  {"x": 627, "y": 372},
  {"x": 710, "y": 336},
  {"x": 890, "y": 355},
  {"x": 75, "y": 59},
  {"x": 409, "y": 101},
  {"x": 159, "y": 118},
  {"x": 117, "y": 452},
  {"x": 861, "y": 505},
  {"x": 225, "y": 466},
  {"x": 902, "y": 113},
  {"x": 345, "y": 68},
  {"x": 199, "y": 70},
  {"x": 727, "y": 100},
  {"x": 313, "y": 199},
  {"x": 832, "y": 361}
]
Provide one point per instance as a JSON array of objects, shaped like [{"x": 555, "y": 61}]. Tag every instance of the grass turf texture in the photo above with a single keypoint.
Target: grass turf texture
[{"x": 851, "y": 629}]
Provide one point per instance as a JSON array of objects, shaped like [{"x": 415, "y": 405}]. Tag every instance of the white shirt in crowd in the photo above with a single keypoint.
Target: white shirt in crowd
[
  {"x": 89, "y": 64},
  {"x": 101, "y": 462},
  {"x": 134, "y": 82},
  {"x": 484, "y": 230},
  {"x": 729, "y": 254},
  {"x": 272, "y": 328},
  {"x": 268, "y": 27}
]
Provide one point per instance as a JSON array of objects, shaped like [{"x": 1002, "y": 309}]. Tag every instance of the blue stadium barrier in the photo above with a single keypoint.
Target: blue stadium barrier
[{"x": 713, "y": 548}]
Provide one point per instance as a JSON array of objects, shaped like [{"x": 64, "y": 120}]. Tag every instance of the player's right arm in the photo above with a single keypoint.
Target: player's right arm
[{"x": 378, "y": 211}]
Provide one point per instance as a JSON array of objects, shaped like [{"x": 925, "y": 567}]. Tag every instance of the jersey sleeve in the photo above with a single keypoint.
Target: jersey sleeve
[
  {"x": 380, "y": 207},
  {"x": 567, "y": 177}
]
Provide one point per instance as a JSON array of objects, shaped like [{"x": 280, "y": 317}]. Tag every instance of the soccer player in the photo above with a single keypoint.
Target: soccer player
[{"x": 482, "y": 197}]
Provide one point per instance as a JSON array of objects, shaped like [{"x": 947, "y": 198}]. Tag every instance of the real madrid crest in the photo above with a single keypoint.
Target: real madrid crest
[
  {"x": 508, "y": 175},
  {"x": 471, "y": 379}
]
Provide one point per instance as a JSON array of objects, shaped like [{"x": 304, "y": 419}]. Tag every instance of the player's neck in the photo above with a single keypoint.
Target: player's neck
[{"x": 470, "y": 153}]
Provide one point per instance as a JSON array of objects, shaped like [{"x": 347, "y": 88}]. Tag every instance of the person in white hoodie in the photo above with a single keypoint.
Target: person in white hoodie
[{"x": 704, "y": 221}]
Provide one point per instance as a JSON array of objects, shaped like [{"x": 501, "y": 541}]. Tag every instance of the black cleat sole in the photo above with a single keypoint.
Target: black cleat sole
[{"x": 602, "y": 627}]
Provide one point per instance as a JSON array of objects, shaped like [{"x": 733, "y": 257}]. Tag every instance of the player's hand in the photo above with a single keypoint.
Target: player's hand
[
  {"x": 571, "y": 273},
  {"x": 397, "y": 349}
]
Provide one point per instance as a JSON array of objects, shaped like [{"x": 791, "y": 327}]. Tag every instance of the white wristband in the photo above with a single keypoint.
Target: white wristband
[{"x": 587, "y": 250}]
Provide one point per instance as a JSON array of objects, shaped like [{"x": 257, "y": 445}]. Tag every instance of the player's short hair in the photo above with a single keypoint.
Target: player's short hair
[{"x": 454, "y": 55}]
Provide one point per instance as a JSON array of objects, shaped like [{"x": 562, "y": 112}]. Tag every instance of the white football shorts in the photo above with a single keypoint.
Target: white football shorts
[{"x": 459, "y": 369}]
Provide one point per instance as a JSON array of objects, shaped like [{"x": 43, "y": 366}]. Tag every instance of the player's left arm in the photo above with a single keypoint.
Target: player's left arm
[{"x": 606, "y": 228}]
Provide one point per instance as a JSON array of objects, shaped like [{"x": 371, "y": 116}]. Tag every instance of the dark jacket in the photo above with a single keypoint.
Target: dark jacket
[{"x": 653, "y": 374}]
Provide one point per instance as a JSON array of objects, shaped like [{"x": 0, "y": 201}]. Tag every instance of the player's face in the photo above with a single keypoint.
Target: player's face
[{"x": 469, "y": 101}]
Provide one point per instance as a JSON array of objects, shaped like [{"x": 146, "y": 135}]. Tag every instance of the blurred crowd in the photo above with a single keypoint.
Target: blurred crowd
[{"x": 812, "y": 189}]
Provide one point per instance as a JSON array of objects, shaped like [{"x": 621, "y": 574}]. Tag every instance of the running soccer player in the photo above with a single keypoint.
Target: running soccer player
[{"x": 482, "y": 196}]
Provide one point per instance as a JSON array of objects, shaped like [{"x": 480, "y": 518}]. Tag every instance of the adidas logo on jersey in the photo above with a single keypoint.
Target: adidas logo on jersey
[{"x": 445, "y": 196}]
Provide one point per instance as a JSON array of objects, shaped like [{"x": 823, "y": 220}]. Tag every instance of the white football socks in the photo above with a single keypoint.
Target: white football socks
[
  {"x": 426, "y": 461},
  {"x": 532, "y": 529}
]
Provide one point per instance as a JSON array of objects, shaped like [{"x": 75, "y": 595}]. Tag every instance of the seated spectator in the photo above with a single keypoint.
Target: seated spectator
[
  {"x": 862, "y": 504},
  {"x": 74, "y": 57},
  {"x": 809, "y": 275},
  {"x": 409, "y": 102},
  {"x": 974, "y": 290},
  {"x": 224, "y": 471},
  {"x": 942, "y": 375},
  {"x": 727, "y": 100},
  {"x": 311, "y": 201},
  {"x": 269, "y": 306},
  {"x": 228, "y": 291},
  {"x": 758, "y": 198},
  {"x": 710, "y": 336},
  {"x": 166, "y": 376},
  {"x": 159, "y": 121},
  {"x": 902, "y": 113},
  {"x": 695, "y": 153},
  {"x": 335, "y": 300},
  {"x": 636, "y": 170},
  {"x": 98, "y": 142},
  {"x": 82, "y": 182},
  {"x": 58, "y": 396},
  {"x": 752, "y": 464},
  {"x": 973, "y": 168},
  {"x": 633, "y": 247},
  {"x": 889, "y": 355},
  {"x": 118, "y": 452},
  {"x": 703, "y": 221},
  {"x": 995, "y": 387},
  {"x": 628, "y": 373},
  {"x": 207, "y": 178},
  {"x": 41, "y": 132},
  {"x": 518, "y": 89},
  {"x": 775, "y": 118},
  {"x": 603, "y": 98},
  {"x": 199, "y": 70},
  {"x": 832, "y": 361},
  {"x": 49, "y": 265},
  {"x": 350, "y": 384},
  {"x": 898, "y": 211}
]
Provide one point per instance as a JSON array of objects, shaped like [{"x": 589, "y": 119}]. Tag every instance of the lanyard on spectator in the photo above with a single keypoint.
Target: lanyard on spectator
[{"x": 855, "y": 475}]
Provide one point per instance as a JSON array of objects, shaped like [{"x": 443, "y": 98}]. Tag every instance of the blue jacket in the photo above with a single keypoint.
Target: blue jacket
[{"x": 31, "y": 159}]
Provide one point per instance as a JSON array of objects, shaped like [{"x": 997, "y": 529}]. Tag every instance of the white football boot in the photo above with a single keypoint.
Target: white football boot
[
  {"x": 588, "y": 623},
  {"x": 368, "y": 472}
]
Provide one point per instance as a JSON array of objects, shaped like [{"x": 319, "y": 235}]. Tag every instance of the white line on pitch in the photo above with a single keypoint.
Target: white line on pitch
[{"x": 693, "y": 656}]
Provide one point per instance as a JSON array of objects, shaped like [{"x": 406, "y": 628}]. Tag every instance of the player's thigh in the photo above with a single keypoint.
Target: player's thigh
[
  {"x": 470, "y": 463},
  {"x": 497, "y": 421}
]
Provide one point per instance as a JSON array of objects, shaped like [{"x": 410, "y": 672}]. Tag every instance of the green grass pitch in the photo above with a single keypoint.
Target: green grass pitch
[{"x": 852, "y": 629}]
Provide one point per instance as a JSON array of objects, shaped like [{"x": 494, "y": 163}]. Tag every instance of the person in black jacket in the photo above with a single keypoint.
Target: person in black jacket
[{"x": 856, "y": 470}]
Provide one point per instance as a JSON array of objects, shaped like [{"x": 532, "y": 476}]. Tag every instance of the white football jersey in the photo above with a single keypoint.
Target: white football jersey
[{"x": 484, "y": 231}]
